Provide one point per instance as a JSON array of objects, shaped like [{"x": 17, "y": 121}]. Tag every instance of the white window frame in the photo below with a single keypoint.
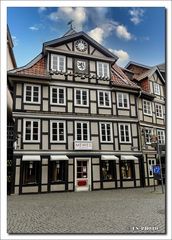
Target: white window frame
[
  {"x": 129, "y": 130},
  {"x": 51, "y": 133},
  {"x": 32, "y": 87},
  {"x": 104, "y": 102},
  {"x": 159, "y": 110},
  {"x": 51, "y": 95},
  {"x": 127, "y": 97},
  {"x": 100, "y": 126},
  {"x": 82, "y": 135},
  {"x": 81, "y": 94},
  {"x": 151, "y": 166},
  {"x": 150, "y": 134},
  {"x": 157, "y": 89},
  {"x": 103, "y": 64},
  {"x": 160, "y": 139},
  {"x": 58, "y": 65},
  {"x": 24, "y": 130},
  {"x": 145, "y": 103}
]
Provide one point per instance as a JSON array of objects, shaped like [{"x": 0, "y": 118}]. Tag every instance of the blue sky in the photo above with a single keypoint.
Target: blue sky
[{"x": 133, "y": 34}]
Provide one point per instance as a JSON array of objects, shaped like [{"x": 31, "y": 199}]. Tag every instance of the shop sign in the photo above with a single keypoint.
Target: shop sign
[
  {"x": 157, "y": 172},
  {"x": 83, "y": 145}
]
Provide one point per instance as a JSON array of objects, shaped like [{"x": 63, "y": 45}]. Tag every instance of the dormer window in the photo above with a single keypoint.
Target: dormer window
[
  {"x": 102, "y": 69},
  {"x": 157, "y": 88},
  {"x": 58, "y": 63}
]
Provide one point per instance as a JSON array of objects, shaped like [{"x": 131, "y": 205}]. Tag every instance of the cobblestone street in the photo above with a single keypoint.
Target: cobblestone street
[{"x": 109, "y": 211}]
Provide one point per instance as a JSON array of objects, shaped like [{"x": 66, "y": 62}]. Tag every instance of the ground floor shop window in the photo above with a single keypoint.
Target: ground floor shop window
[
  {"x": 57, "y": 171},
  {"x": 127, "y": 169},
  {"x": 30, "y": 172},
  {"x": 108, "y": 170}
]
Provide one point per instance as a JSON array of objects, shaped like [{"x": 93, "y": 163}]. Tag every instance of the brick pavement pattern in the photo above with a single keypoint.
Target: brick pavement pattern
[{"x": 106, "y": 211}]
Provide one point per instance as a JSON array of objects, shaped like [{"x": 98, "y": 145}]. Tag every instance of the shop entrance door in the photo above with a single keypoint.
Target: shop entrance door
[{"x": 82, "y": 174}]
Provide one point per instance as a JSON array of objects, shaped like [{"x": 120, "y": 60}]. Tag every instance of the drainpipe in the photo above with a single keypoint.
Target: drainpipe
[{"x": 140, "y": 136}]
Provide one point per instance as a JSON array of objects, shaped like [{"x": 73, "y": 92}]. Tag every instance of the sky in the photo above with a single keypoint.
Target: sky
[{"x": 133, "y": 34}]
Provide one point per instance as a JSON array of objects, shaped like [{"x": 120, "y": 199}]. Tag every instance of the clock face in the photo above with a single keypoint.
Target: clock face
[
  {"x": 81, "y": 45},
  {"x": 81, "y": 65}
]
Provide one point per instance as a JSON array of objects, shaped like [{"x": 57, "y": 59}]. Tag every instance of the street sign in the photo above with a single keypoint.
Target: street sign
[{"x": 157, "y": 172}]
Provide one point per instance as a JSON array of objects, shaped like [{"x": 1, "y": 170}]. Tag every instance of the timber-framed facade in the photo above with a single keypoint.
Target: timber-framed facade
[{"x": 78, "y": 119}]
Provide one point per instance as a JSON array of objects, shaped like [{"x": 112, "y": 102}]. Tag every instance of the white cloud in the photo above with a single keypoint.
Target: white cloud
[
  {"x": 122, "y": 32},
  {"x": 136, "y": 15},
  {"x": 97, "y": 34},
  {"x": 34, "y": 28},
  {"x": 41, "y": 9},
  {"x": 78, "y": 15},
  {"x": 15, "y": 41},
  {"x": 123, "y": 55}
]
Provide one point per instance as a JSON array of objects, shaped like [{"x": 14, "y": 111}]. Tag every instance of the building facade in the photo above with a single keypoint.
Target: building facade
[{"x": 78, "y": 119}]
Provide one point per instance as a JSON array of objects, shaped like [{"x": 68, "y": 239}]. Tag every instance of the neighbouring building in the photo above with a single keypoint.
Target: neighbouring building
[
  {"x": 151, "y": 112},
  {"x": 11, "y": 64},
  {"x": 79, "y": 119}
]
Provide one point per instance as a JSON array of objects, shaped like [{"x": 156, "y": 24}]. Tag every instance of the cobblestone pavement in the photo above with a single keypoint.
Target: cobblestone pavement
[{"x": 107, "y": 211}]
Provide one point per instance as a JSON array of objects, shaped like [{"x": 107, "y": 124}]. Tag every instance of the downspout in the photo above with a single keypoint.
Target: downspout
[{"x": 139, "y": 126}]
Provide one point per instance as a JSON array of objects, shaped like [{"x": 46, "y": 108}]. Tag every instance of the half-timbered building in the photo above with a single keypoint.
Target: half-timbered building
[{"x": 77, "y": 117}]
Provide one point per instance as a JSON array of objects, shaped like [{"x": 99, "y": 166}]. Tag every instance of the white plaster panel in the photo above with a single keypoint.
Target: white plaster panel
[
  {"x": 58, "y": 187},
  {"x": 18, "y": 103},
  {"x": 44, "y": 174},
  {"x": 45, "y": 92},
  {"x": 96, "y": 173},
  {"x": 29, "y": 189}
]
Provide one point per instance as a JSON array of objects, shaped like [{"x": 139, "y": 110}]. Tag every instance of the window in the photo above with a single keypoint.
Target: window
[
  {"x": 58, "y": 63},
  {"x": 104, "y": 99},
  {"x": 31, "y": 130},
  {"x": 57, "y": 171},
  {"x": 106, "y": 132},
  {"x": 127, "y": 169},
  {"x": 151, "y": 163},
  {"x": 82, "y": 131},
  {"x": 58, "y": 131},
  {"x": 30, "y": 172},
  {"x": 124, "y": 130},
  {"x": 148, "y": 135},
  {"x": 58, "y": 96},
  {"x": 122, "y": 100},
  {"x": 159, "y": 110},
  {"x": 81, "y": 97},
  {"x": 102, "y": 69},
  {"x": 108, "y": 170},
  {"x": 31, "y": 93},
  {"x": 82, "y": 169},
  {"x": 161, "y": 136},
  {"x": 157, "y": 88},
  {"x": 147, "y": 107}
]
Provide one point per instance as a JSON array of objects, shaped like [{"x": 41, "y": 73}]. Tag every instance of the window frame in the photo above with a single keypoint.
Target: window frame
[
  {"x": 51, "y": 95},
  {"x": 129, "y": 130},
  {"x": 146, "y": 102},
  {"x": 64, "y": 169},
  {"x": 51, "y": 133},
  {"x": 88, "y": 131},
  {"x": 108, "y": 71},
  {"x": 58, "y": 56},
  {"x": 159, "y": 105},
  {"x": 104, "y": 101},
  {"x": 150, "y": 166},
  {"x": 155, "y": 85},
  {"x": 81, "y": 95},
  {"x": 36, "y": 167},
  {"x": 123, "y": 107},
  {"x": 111, "y": 134},
  {"x": 151, "y": 131},
  {"x": 32, "y": 87},
  {"x": 160, "y": 131},
  {"x": 132, "y": 169},
  {"x": 24, "y": 130}
]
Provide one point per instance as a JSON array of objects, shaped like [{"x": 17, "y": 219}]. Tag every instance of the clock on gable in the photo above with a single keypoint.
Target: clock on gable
[{"x": 81, "y": 45}]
